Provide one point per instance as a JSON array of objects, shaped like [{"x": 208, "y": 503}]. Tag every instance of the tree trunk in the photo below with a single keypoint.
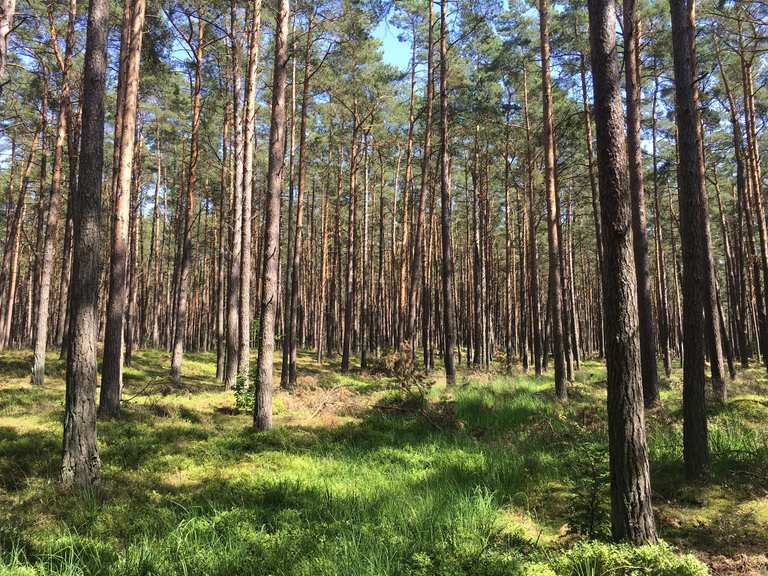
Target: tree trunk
[
  {"x": 661, "y": 271},
  {"x": 233, "y": 287},
  {"x": 249, "y": 128},
  {"x": 295, "y": 268},
  {"x": 449, "y": 313},
  {"x": 631, "y": 512},
  {"x": 112, "y": 365},
  {"x": 52, "y": 218},
  {"x": 553, "y": 235},
  {"x": 639, "y": 229},
  {"x": 417, "y": 263},
  {"x": 262, "y": 409},
  {"x": 186, "y": 237},
  {"x": 80, "y": 465},
  {"x": 692, "y": 200}
]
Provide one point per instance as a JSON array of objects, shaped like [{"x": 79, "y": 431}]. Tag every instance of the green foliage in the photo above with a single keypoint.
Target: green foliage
[
  {"x": 602, "y": 559},
  {"x": 589, "y": 507},
  {"x": 244, "y": 395}
]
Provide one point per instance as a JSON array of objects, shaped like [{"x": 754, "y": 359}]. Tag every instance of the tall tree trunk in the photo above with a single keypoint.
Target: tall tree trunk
[
  {"x": 449, "y": 313},
  {"x": 533, "y": 273},
  {"x": 639, "y": 229},
  {"x": 221, "y": 278},
  {"x": 80, "y": 464},
  {"x": 417, "y": 263},
  {"x": 692, "y": 200},
  {"x": 661, "y": 267},
  {"x": 553, "y": 235},
  {"x": 351, "y": 279},
  {"x": 295, "y": 268},
  {"x": 249, "y": 129},
  {"x": 631, "y": 511},
  {"x": 186, "y": 237},
  {"x": 233, "y": 286},
  {"x": 52, "y": 218},
  {"x": 112, "y": 365},
  {"x": 262, "y": 409}
]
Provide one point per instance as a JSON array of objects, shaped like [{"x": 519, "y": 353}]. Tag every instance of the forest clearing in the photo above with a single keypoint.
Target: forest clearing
[{"x": 383, "y": 287}]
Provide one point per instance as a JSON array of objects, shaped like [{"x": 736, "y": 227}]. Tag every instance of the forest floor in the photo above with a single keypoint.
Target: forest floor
[{"x": 358, "y": 477}]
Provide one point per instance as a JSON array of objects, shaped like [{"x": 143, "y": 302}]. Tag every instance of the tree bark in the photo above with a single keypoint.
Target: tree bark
[
  {"x": 186, "y": 237},
  {"x": 449, "y": 313},
  {"x": 262, "y": 410},
  {"x": 249, "y": 129},
  {"x": 692, "y": 200},
  {"x": 639, "y": 227},
  {"x": 112, "y": 364},
  {"x": 553, "y": 235},
  {"x": 631, "y": 511},
  {"x": 80, "y": 464}
]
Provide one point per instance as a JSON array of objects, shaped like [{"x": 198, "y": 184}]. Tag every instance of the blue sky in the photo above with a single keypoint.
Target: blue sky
[{"x": 395, "y": 52}]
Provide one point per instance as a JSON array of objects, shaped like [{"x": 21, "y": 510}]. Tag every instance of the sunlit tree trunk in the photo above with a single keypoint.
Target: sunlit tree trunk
[
  {"x": 112, "y": 366},
  {"x": 52, "y": 217},
  {"x": 449, "y": 318},
  {"x": 249, "y": 128},
  {"x": 80, "y": 465},
  {"x": 262, "y": 410},
  {"x": 639, "y": 227},
  {"x": 692, "y": 200},
  {"x": 553, "y": 235},
  {"x": 186, "y": 244},
  {"x": 631, "y": 511}
]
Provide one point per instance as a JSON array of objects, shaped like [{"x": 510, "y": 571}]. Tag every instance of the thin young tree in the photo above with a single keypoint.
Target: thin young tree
[
  {"x": 80, "y": 464},
  {"x": 631, "y": 511}
]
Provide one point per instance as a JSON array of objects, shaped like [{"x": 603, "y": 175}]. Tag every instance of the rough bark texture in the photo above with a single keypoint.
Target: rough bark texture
[
  {"x": 112, "y": 367},
  {"x": 639, "y": 229},
  {"x": 692, "y": 198},
  {"x": 80, "y": 464},
  {"x": 52, "y": 218},
  {"x": 233, "y": 286},
  {"x": 631, "y": 512},
  {"x": 249, "y": 129},
  {"x": 262, "y": 409},
  {"x": 449, "y": 313},
  {"x": 553, "y": 233}
]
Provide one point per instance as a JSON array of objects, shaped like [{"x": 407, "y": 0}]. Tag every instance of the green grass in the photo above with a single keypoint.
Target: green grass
[{"x": 351, "y": 482}]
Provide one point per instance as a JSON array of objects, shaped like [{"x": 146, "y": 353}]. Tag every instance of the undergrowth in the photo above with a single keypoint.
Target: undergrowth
[{"x": 493, "y": 478}]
